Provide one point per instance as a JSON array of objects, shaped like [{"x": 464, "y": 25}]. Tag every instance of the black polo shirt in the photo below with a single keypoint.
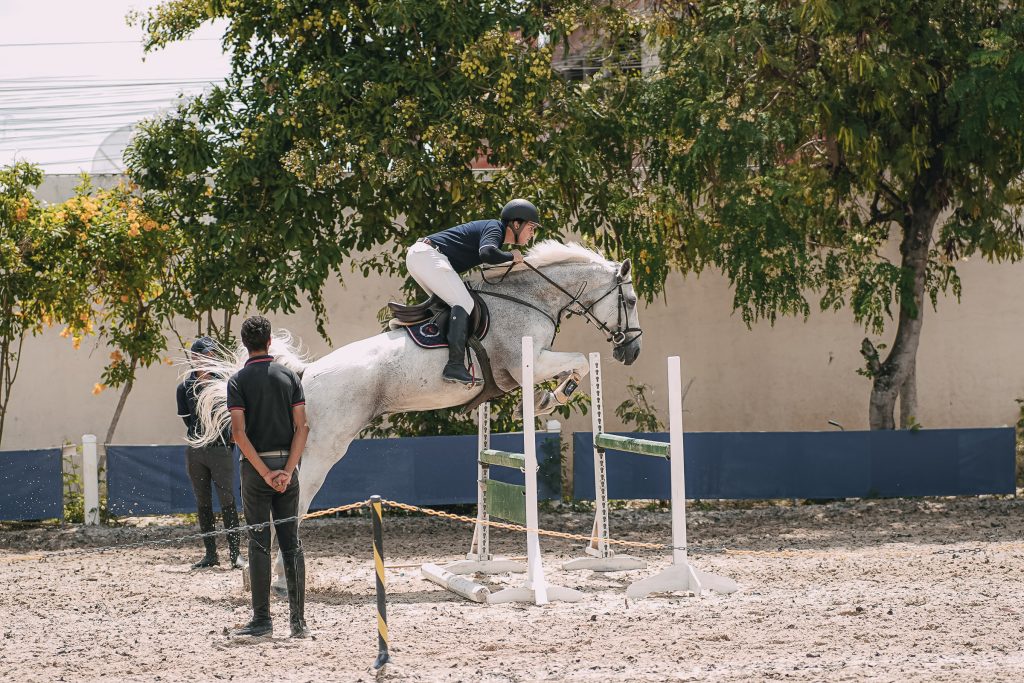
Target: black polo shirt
[{"x": 266, "y": 391}]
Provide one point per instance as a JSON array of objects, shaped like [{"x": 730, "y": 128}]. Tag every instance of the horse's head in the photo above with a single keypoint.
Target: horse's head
[
  {"x": 599, "y": 290},
  {"x": 616, "y": 308}
]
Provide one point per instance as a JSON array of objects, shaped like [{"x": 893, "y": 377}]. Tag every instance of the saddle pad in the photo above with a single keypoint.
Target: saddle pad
[{"x": 433, "y": 333}]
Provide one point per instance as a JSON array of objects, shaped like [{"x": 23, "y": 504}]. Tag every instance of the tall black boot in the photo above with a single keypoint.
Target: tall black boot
[
  {"x": 230, "y": 515},
  {"x": 259, "y": 582},
  {"x": 295, "y": 574},
  {"x": 458, "y": 332},
  {"x": 206, "y": 526}
]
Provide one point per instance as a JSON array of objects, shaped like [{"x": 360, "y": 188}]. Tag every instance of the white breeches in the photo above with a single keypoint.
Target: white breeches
[{"x": 432, "y": 271}]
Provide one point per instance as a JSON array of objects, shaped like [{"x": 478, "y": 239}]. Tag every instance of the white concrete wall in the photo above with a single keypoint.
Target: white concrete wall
[{"x": 794, "y": 376}]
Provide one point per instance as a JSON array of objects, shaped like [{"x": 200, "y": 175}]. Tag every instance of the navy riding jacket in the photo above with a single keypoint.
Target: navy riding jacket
[{"x": 470, "y": 244}]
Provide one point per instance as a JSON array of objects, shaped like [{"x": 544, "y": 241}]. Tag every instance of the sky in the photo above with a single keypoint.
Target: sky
[{"x": 73, "y": 77}]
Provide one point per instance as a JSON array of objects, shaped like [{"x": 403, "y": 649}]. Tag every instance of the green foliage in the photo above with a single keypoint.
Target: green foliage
[
  {"x": 636, "y": 411},
  {"x": 344, "y": 131},
  {"x": 798, "y": 136},
  {"x": 24, "y": 301},
  {"x": 790, "y": 141},
  {"x": 114, "y": 262}
]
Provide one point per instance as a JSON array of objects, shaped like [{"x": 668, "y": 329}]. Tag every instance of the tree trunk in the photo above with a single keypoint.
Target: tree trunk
[
  {"x": 897, "y": 376},
  {"x": 5, "y": 382},
  {"x": 908, "y": 397},
  {"x": 120, "y": 405},
  {"x": 8, "y": 373}
]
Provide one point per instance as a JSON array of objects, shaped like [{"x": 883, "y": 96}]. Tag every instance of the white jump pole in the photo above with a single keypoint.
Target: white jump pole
[
  {"x": 536, "y": 589},
  {"x": 681, "y": 576},
  {"x": 90, "y": 479},
  {"x": 535, "y": 570}
]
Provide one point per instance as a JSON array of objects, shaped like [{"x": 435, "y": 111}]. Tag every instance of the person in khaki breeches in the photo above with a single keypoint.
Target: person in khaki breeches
[{"x": 437, "y": 261}]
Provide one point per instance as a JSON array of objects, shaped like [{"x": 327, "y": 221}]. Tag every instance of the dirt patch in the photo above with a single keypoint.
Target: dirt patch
[{"x": 910, "y": 590}]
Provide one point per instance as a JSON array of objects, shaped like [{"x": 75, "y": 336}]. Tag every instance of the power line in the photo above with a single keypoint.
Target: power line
[{"x": 98, "y": 42}]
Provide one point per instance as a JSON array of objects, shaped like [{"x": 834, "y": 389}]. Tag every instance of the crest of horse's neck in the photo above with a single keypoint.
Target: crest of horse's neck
[{"x": 535, "y": 289}]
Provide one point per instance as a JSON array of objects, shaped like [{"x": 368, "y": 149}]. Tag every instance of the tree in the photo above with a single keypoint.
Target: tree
[
  {"x": 114, "y": 261},
  {"x": 23, "y": 305},
  {"x": 789, "y": 142},
  {"x": 346, "y": 130}
]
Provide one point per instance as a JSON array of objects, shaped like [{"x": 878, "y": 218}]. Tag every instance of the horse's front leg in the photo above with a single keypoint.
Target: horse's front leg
[{"x": 568, "y": 367}]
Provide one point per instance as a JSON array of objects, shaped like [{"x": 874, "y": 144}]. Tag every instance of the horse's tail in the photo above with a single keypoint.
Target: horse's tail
[{"x": 212, "y": 390}]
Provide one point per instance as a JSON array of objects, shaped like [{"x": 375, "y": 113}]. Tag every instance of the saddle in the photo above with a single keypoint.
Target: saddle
[{"x": 427, "y": 322}]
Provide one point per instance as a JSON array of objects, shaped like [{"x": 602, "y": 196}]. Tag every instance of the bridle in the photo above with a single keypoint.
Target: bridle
[{"x": 618, "y": 336}]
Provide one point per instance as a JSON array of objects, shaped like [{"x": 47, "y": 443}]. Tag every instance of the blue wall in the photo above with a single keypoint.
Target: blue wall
[
  {"x": 440, "y": 470},
  {"x": 764, "y": 465},
  {"x": 31, "y": 484}
]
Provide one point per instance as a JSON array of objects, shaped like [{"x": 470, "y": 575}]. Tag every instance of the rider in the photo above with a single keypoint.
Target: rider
[{"x": 435, "y": 263}]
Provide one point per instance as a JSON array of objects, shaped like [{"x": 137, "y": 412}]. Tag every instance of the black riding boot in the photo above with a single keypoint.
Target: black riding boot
[
  {"x": 295, "y": 573},
  {"x": 458, "y": 332},
  {"x": 259, "y": 583},
  {"x": 206, "y": 526},
  {"x": 230, "y": 515}
]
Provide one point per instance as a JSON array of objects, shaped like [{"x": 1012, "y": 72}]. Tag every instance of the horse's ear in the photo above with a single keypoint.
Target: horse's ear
[{"x": 625, "y": 269}]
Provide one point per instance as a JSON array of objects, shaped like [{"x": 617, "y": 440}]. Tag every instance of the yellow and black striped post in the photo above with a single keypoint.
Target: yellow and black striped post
[{"x": 378, "y": 563}]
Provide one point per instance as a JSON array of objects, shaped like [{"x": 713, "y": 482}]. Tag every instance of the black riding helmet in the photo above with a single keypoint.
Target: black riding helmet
[{"x": 520, "y": 210}]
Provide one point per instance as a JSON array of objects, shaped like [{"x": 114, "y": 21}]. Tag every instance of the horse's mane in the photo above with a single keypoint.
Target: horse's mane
[{"x": 550, "y": 252}]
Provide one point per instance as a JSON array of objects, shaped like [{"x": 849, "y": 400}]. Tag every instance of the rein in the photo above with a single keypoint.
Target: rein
[{"x": 617, "y": 336}]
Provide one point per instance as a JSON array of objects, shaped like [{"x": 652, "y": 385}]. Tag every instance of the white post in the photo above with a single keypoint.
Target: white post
[
  {"x": 90, "y": 479},
  {"x": 481, "y": 547},
  {"x": 600, "y": 547},
  {"x": 681, "y": 575},
  {"x": 601, "y": 557},
  {"x": 535, "y": 571},
  {"x": 678, "y": 475}
]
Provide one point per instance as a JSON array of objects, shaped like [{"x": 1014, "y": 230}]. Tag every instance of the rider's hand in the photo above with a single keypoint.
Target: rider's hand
[{"x": 517, "y": 256}]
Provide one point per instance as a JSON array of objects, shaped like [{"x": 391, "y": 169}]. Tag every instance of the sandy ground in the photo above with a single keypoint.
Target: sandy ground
[{"x": 912, "y": 590}]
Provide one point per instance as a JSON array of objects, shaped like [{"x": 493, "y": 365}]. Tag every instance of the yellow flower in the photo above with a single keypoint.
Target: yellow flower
[
  {"x": 134, "y": 231},
  {"x": 65, "y": 332},
  {"x": 116, "y": 356},
  {"x": 97, "y": 388},
  {"x": 76, "y": 342}
]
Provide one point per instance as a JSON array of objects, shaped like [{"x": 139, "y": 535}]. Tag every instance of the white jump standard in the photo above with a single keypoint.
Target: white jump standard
[
  {"x": 602, "y": 557},
  {"x": 511, "y": 502},
  {"x": 681, "y": 576}
]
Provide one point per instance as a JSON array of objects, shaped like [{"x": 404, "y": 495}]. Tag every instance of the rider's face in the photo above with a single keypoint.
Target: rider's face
[{"x": 526, "y": 234}]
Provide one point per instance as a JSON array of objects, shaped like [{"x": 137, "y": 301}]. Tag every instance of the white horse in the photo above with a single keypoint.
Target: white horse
[{"x": 388, "y": 373}]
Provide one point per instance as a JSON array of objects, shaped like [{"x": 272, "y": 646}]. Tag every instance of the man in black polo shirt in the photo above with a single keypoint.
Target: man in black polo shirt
[
  {"x": 435, "y": 263},
  {"x": 212, "y": 462},
  {"x": 268, "y": 423}
]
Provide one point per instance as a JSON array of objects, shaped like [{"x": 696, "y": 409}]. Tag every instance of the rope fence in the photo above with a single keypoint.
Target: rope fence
[{"x": 43, "y": 556}]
